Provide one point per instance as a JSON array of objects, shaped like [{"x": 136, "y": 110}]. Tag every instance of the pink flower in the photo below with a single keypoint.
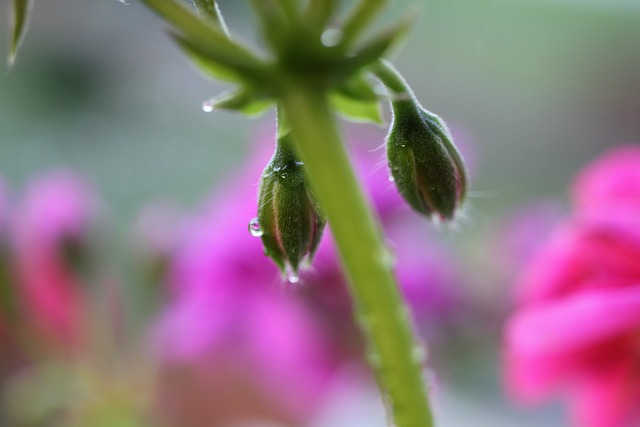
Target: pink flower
[
  {"x": 6, "y": 299},
  {"x": 577, "y": 325},
  {"x": 228, "y": 298},
  {"x": 612, "y": 179},
  {"x": 54, "y": 214}
]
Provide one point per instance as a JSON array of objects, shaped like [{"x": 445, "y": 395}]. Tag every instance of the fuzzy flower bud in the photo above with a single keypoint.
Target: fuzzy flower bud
[
  {"x": 425, "y": 164},
  {"x": 290, "y": 221}
]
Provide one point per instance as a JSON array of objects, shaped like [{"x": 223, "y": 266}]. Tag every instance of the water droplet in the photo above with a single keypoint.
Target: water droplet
[
  {"x": 293, "y": 277},
  {"x": 331, "y": 37},
  {"x": 437, "y": 220},
  {"x": 254, "y": 228},
  {"x": 391, "y": 178},
  {"x": 207, "y": 106},
  {"x": 387, "y": 258},
  {"x": 419, "y": 354},
  {"x": 374, "y": 359}
]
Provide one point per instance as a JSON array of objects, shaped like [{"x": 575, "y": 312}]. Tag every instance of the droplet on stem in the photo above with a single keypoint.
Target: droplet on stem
[{"x": 293, "y": 277}]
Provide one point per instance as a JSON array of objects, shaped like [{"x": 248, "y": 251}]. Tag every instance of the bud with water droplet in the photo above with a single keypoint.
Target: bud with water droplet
[
  {"x": 425, "y": 164},
  {"x": 290, "y": 220}
]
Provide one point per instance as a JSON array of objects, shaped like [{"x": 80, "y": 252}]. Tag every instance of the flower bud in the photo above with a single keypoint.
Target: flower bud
[
  {"x": 291, "y": 223},
  {"x": 425, "y": 164}
]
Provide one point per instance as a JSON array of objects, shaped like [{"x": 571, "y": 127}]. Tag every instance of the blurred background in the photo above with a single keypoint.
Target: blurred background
[{"x": 533, "y": 90}]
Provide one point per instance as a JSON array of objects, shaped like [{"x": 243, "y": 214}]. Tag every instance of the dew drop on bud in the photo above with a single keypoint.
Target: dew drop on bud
[
  {"x": 391, "y": 178},
  {"x": 292, "y": 277},
  {"x": 254, "y": 228},
  {"x": 207, "y": 106}
]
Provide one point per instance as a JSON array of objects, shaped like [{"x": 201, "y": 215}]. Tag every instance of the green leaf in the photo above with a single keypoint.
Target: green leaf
[
  {"x": 242, "y": 101},
  {"x": 209, "y": 10},
  {"x": 273, "y": 22},
  {"x": 356, "y": 110},
  {"x": 359, "y": 88},
  {"x": 208, "y": 66},
  {"x": 21, "y": 11},
  {"x": 206, "y": 38},
  {"x": 319, "y": 13},
  {"x": 357, "y": 100},
  {"x": 380, "y": 45},
  {"x": 360, "y": 17}
]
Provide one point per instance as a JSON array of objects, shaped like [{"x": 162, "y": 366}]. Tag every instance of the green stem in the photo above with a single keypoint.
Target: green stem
[
  {"x": 391, "y": 78},
  {"x": 381, "y": 311}
]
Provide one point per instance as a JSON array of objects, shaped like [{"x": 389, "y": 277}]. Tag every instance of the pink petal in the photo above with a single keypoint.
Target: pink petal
[
  {"x": 612, "y": 180},
  {"x": 576, "y": 321},
  {"x": 608, "y": 395},
  {"x": 547, "y": 343}
]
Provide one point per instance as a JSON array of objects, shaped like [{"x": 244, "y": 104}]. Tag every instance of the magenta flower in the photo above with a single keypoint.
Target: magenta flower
[
  {"x": 612, "y": 179},
  {"x": 55, "y": 213},
  {"x": 577, "y": 325},
  {"x": 228, "y": 298},
  {"x": 5, "y": 291}
]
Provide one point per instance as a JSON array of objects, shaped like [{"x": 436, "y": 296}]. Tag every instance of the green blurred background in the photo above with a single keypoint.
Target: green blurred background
[{"x": 538, "y": 88}]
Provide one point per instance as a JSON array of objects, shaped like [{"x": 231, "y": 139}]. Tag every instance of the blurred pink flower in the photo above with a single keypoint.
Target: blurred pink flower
[
  {"x": 612, "y": 179},
  {"x": 228, "y": 298},
  {"x": 55, "y": 212},
  {"x": 577, "y": 324},
  {"x": 5, "y": 286}
]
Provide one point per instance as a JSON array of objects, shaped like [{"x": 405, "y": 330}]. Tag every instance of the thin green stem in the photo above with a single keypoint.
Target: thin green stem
[
  {"x": 367, "y": 261},
  {"x": 391, "y": 78}
]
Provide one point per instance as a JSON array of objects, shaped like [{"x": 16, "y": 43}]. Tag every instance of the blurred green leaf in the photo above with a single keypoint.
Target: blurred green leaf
[
  {"x": 207, "y": 39},
  {"x": 360, "y": 88},
  {"x": 209, "y": 10},
  {"x": 242, "y": 101},
  {"x": 273, "y": 22},
  {"x": 319, "y": 13},
  {"x": 361, "y": 16},
  {"x": 380, "y": 45},
  {"x": 356, "y": 110},
  {"x": 207, "y": 65},
  {"x": 21, "y": 11}
]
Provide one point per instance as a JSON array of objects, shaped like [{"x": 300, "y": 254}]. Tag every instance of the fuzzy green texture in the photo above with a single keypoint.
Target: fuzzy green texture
[
  {"x": 422, "y": 160},
  {"x": 290, "y": 219},
  {"x": 425, "y": 164}
]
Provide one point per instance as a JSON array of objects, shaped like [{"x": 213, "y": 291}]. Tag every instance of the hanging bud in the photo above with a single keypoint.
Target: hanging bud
[
  {"x": 290, "y": 221},
  {"x": 425, "y": 164}
]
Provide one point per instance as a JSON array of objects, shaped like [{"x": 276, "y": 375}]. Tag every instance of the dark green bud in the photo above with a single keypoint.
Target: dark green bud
[
  {"x": 425, "y": 164},
  {"x": 290, "y": 221}
]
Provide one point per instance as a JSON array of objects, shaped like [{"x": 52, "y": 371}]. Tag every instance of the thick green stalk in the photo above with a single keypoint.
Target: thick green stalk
[{"x": 367, "y": 261}]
